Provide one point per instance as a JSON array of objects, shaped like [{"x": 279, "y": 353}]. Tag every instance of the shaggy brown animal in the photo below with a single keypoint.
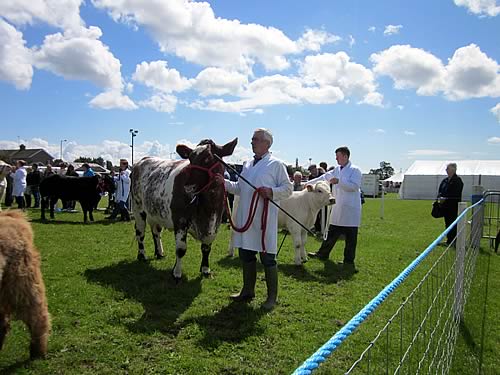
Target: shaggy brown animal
[{"x": 22, "y": 291}]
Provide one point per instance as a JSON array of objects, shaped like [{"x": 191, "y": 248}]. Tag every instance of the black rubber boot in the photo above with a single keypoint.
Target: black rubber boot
[
  {"x": 249, "y": 278},
  {"x": 272, "y": 288}
]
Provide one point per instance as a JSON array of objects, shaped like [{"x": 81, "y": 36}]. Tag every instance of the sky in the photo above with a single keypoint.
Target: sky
[{"x": 394, "y": 81}]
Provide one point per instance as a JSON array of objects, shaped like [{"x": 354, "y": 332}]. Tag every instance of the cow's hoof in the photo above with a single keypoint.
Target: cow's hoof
[
  {"x": 207, "y": 274},
  {"x": 177, "y": 279},
  {"x": 159, "y": 256},
  {"x": 141, "y": 257}
]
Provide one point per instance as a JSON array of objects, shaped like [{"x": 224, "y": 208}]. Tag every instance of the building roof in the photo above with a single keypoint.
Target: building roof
[
  {"x": 23, "y": 153},
  {"x": 464, "y": 167}
]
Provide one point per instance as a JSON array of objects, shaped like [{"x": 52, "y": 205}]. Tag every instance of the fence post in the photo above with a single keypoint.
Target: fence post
[
  {"x": 460, "y": 262},
  {"x": 477, "y": 217}
]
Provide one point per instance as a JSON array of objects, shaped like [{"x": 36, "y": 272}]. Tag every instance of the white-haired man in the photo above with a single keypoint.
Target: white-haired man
[{"x": 270, "y": 176}]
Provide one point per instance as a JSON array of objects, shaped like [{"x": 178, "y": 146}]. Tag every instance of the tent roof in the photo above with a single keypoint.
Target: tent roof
[
  {"x": 398, "y": 177},
  {"x": 464, "y": 167}
]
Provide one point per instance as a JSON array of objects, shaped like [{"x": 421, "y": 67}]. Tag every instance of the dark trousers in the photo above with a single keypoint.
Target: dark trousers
[
  {"x": 351, "y": 239},
  {"x": 20, "y": 202},
  {"x": 449, "y": 218},
  {"x": 249, "y": 256}
]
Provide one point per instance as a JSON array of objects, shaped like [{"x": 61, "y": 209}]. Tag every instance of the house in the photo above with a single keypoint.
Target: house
[{"x": 29, "y": 155}]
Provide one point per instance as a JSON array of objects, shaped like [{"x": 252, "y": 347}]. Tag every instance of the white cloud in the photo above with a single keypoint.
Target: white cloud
[
  {"x": 160, "y": 103},
  {"x": 81, "y": 57},
  {"x": 217, "y": 81},
  {"x": 273, "y": 90},
  {"x": 400, "y": 107},
  {"x": 157, "y": 75},
  {"x": 15, "y": 58},
  {"x": 470, "y": 73},
  {"x": 417, "y": 153},
  {"x": 197, "y": 35},
  {"x": 352, "y": 41},
  {"x": 410, "y": 133},
  {"x": 496, "y": 111},
  {"x": 480, "y": 7},
  {"x": 64, "y": 14},
  {"x": 113, "y": 99},
  {"x": 312, "y": 40},
  {"x": 336, "y": 70},
  {"x": 372, "y": 29},
  {"x": 392, "y": 29},
  {"x": 410, "y": 68},
  {"x": 494, "y": 140},
  {"x": 380, "y": 131}
]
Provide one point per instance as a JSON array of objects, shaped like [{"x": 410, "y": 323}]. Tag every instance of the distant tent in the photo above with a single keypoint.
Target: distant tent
[
  {"x": 398, "y": 177},
  {"x": 422, "y": 179}
]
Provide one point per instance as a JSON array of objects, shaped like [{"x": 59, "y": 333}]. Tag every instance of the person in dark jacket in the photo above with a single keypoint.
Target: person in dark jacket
[
  {"x": 33, "y": 181},
  {"x": 70, "y": 205},
  {"x": 450, "y": 193}
]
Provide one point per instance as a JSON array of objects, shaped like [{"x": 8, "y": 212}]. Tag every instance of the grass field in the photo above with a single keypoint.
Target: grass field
[{"x": 114, "y": 315}]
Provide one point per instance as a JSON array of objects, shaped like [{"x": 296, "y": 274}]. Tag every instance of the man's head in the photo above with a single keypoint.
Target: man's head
[
  {"x": 342, "y": 155},
  {"x": 297, "y": 177},
  {"x": 324, "y": 165},
  {"x": 123, "y": 164},
  {"x": 34, "y": 167},
  {"x": 85, "y": 166},
  {"x": 451, "y": 169},
  {"x": 313, "y": 169},
  {"x": 262, "y": 140}
]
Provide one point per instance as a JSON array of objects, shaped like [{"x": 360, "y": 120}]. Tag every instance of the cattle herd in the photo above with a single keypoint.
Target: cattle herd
[{"x": 183, "y": 196}]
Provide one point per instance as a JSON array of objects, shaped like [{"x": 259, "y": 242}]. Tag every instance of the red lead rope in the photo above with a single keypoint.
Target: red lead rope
[{"x": 251, "y": 215}]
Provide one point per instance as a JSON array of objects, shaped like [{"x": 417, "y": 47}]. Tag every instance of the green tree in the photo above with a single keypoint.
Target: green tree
[{"x": 385, "y": 170}]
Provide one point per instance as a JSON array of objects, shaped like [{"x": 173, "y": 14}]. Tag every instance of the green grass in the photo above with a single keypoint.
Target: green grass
[{"x": 114, "y": 315}]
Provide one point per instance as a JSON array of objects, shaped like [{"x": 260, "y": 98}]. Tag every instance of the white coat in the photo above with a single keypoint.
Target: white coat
[
  {"x": 268, "y": 172},
  {"x": 122, "y": 186},
  {"x": 19, "y": 183},
  {"x": 346, "y": 212}
]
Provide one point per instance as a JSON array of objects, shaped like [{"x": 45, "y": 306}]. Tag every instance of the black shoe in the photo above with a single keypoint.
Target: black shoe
[
  {"x": 317, "y": 255},
  {"x": 349, "y": 267}
]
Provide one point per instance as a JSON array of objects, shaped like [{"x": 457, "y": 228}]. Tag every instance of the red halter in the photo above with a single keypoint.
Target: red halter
[{"x": 210, "y": 172}]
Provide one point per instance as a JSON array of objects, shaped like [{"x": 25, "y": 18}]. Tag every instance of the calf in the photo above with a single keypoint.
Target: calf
[
  {"x": 181, "y": 196},
  {"x": 304, "y": 206},
  {"x": 86, "y": 190}
]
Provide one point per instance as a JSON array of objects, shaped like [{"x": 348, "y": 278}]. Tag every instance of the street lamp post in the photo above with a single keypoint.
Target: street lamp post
[
  {"x": 133, "y": 134},
  {"x": 60, "y": 152}
]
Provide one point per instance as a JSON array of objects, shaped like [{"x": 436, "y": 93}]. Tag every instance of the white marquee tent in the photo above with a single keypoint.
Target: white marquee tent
[
  {"x": 422, "y": 179},
  {"x": 397, "y": 177}
]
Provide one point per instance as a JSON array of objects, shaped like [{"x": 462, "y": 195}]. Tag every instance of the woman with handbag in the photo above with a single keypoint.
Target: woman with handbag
[{"x": 450, "y": 193}]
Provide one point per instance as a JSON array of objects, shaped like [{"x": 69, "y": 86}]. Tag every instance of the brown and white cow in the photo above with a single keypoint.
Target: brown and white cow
[{"x": 181, "y": 196}]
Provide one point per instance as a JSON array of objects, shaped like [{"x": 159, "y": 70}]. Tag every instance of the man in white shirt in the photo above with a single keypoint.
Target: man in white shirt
[
  {"x": 122, "y": 183},
  {"x": 345, "y": 217},
  {"x": 269, "y": 175}
]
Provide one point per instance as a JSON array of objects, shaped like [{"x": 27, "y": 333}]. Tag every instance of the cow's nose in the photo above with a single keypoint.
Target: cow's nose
[{"x": 331, "y": 200}]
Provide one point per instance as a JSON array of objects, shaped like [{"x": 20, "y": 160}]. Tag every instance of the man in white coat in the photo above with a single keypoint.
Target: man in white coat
[
  {"x": 122, "y": 184},
  {"x": 269, "y": 175},
  {"x": 346, "y": 212}
]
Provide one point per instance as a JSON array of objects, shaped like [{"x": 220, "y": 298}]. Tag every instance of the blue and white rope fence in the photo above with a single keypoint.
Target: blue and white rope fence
[{"x": 313, "y": 362}]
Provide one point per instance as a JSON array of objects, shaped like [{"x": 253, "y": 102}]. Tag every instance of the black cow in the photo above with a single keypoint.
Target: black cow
[
  {"x": 181, "y": 196},
  {"x": 86, "y": 190}
]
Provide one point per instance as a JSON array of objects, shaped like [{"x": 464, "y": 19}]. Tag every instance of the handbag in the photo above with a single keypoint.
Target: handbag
[{"x": 437, "y": 210}]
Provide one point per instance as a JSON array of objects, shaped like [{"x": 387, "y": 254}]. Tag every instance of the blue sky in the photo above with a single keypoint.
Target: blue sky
[{"x": 395, "y": 81}]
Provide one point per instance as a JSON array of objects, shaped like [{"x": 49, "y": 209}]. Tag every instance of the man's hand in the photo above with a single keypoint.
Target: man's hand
[
  {"x": 219, "y": 179},
  {"x": 334, "y": 181},
  {"x": 266, "y": 192}
]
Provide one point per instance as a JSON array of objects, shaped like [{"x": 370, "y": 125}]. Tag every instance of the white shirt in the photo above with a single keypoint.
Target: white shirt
[
  {"x": 268, "y": 172},
  {"x": 346, "y": 212}
]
